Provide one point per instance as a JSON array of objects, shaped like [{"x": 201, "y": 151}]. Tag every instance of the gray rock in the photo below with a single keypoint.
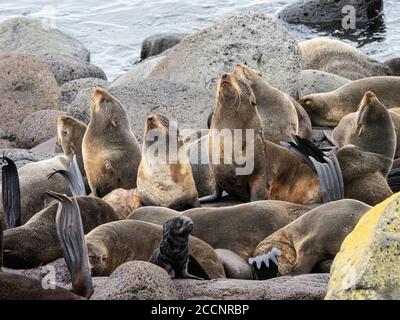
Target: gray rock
[
  {"x": 70, "y": 90},
  {"x": 67, "y": 68},
  {"x": 26, "y": 86},
  {"x": 139, "y": 71},
  {"x": 37, "y": 128},
  {"x": 24, "y": 35},
  {"x": 252, "y": 38},
  {"x": 62, "y": 274},
  {"x": 135, "y": 280},
  {"x": 303, "y": 287},
  {"x": 50, "y": 146},
  {"x": 315, "y": 81},
  {"x": 190, "y": 106},
  {"x": 329, "y": 11},
  {"x": 160, "y": 42}
]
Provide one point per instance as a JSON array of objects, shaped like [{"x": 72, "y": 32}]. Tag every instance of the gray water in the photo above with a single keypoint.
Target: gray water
[{"x": 113, "y": 30}]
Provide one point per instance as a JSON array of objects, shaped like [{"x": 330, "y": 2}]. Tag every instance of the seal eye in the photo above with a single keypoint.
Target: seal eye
[
  {"x": 65, "y": 132},
  {"x": 104, "y": 258},
  {"x": 94, "y": 259}
]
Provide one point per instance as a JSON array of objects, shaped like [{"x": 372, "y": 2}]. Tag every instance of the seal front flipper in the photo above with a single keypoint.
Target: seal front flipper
[
  {"x": 194, "y": 270},
  {"x": 214, "y": 197},
  {"x": 72, "y": 240},
  {"x": 11, "y": 192},
  {"x": 266, "y": 266},
  {"x": 74, "y": 177}
]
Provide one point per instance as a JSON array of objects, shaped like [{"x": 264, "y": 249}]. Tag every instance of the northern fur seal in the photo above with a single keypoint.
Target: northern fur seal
[
  {"x": 371, "y": 128},
  {"x": 173, "y": 254},
  {"x": 339, "y": 58},
  {"x": 34, "y": 183},
  {"x": 327, "y": 109},
  {"x": 36, "y": 242},
  {"x": 281, "y": 115},
  {"x": 316, "y": 236},
  {"x": 237, "y": 228},
  {"x": 115, "y": 243},
  {"x": 273, "y": 166},
  {"x": 111, "y": 153},
  {"x": 164, "y": 178},
  {"x": 235, "y": 266},
  {"x": 70, "y": 132}
]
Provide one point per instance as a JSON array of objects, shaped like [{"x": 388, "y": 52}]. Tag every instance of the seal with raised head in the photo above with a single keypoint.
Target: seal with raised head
[
  {"x": 371, "y": 128},
  {"x": 173, "y": 254},
  {"x": 36, "y": 242},
  {"x": 70, "y": 132},
  {"x": 115, "y": 243},
  {"x": 281, "y": 115},
  {"x": 165, "y": 179},
  {"x": 314, "y": 237},
  {"x": 327, "y": 109},
  {"x": 277, "y": 173},
  {"x": 111, "y": 153},
  {"x": 238, "y": 228}
]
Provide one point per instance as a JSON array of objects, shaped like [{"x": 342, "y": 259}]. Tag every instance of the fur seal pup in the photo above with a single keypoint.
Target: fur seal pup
[
  {"x": 220, "y": 227},
  {"x": 36, "y": 242},
  {"x": 173, "y": 254},
  {"x": 340, "y": 58},
  {"x": 165, "y": 179},
  {"x": 111, "y": 153},
  {"x": 273, "y": 165},
  {"x": 70, "y": 132},
  {"x": 281, "y": 115},
  {"x": 115, "y": 243},
  {"x": 327, "y": 109},
  {"x": 367, "y": 127},
  {"x": 34, "y": 183},
  {"x": 314, "y": 237}
]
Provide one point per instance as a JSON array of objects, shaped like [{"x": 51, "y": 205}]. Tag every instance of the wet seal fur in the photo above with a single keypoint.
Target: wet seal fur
[
  {"x": 111, "y": 153},
  {"x": 281, "y": 115},
  {"x": 115, "y": 243},
  {"x": 277, "y": 174},
  {"x": 327, "y": 109},
  {"x": 173, "y": 254},
  {"x": 165, "y": 181},
  {"x": 238, "y": 228},
  {"x": 314, "y": 237},
  {"x": 36, "y": 242}
]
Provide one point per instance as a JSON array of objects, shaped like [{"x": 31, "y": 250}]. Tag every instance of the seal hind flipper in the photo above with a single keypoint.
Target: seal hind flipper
[
  {"x": 214, "y": 197},
  {"x": 72, "y": 240},
  {"x": 194, "y": 270},
  {"x": 291, "y": 146},
  {"x": 74, "y": 177},
  {"x": 266, "y": 266},
  {"x": 11, "y": 192}
]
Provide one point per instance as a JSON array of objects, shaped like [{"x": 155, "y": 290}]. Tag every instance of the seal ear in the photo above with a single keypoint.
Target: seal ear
[
  {"x": 72, "y": 240},
  {"x": 195, "y": 269},
  {"x": 114, "y": 121},
  {"x": 11, "y": 193}
]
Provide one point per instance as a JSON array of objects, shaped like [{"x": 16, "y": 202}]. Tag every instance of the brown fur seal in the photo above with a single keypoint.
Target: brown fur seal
[
  {"x": 34, "y": 183},
  {"x": 70, "y": 132},
  {"x": 394, "y": 65},
  {"x": 316, "y": 236},
  {"x": 274, "y": 166},
  {"x": 36, "y": 242},
  {"x": 165, "y": 179},
  {"x": 235, "y": 266},
  {"x": 115, "y": 243},
  {"x": 238, "y": 228},
  {"x": 278, "y": 114},
  {"x": 111, "y": 153},
  {"x": 339, "y": 58},
  {"x": 122, "y": 201},
  {"x": 367, "y": 127},
  {"x": 327, "y": 109}
]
